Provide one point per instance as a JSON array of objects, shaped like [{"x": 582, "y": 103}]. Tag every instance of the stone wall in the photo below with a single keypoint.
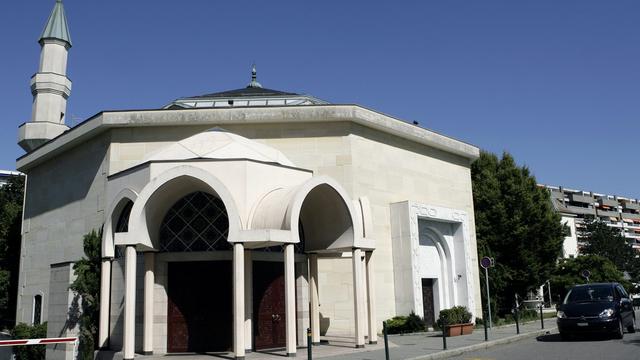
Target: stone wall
[{"x": 64, "y": 201}]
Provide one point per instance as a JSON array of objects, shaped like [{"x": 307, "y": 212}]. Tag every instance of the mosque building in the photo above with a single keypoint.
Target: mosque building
[{"x": 260, "y": 211}]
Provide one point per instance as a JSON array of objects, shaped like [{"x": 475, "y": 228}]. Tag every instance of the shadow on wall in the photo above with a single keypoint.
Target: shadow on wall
[
  {"x": 73, "y": 317},
  {"x": 117, "y": 332},
  {"x": 325, "y": 322},
  {"x": 71, "y": 181}
]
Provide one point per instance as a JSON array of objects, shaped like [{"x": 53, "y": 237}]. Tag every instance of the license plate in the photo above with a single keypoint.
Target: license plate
[{"x": 583, "y": 324}]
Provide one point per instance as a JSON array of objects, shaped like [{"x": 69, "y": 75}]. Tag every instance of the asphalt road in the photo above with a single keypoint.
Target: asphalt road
[
  {"x": 551, "y": 347},
  {"x": 5, "y": 352}
]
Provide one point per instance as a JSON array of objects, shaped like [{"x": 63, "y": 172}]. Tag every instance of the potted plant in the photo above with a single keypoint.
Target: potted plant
[{"x": 455, "y": 321}]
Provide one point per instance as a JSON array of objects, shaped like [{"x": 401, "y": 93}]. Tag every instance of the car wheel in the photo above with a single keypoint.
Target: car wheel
[
  {"x": 619, "y": 334},
  {"x": 565, "y": 336},
  {"x": 632, "y": 327}
]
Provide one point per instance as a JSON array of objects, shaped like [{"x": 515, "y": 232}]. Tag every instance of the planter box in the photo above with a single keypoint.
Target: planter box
[{"x": 459, "y": 329}]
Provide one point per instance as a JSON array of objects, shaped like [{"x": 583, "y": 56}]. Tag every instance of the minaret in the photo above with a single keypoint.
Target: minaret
[{"x": 50, "y": 86}]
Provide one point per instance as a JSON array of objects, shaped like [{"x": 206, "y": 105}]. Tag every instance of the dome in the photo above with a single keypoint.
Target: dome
[{"x": 220, "y": 144}]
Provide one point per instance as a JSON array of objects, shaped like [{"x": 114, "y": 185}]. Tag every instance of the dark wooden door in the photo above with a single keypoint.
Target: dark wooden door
[
  {"x": 268, "y": 305},
  {"x": 199, "y": 316},
  {"x": 427, "y": 302}
]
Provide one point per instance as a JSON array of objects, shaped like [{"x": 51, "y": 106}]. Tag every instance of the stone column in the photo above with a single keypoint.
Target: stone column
[
  {"x": 358, "y": 296},
  {"x": 371, "y": 298},
  {"x": 290, "y": 299},
  {"x": 314, "y": 301},
  {"x": 238, "y": 300},
  {"x": 149, "y": 281},
  {"x": 248, "y": 304},
  {"x": 129, "y": 335},
  {"x": 105, "y": 300}
]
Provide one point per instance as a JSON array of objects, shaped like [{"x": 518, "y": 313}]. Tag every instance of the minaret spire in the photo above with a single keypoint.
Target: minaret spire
[
  {"x": 50, "y": 86},
  {"x": 254, "y": 78},
  {"x": 57, "y": 27}
]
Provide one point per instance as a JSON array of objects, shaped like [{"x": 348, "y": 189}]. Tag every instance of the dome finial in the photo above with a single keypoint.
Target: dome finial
[{"x": 254, "y": 78}]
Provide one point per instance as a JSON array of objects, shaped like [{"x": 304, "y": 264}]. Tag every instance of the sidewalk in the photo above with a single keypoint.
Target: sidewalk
[
  {"x": 429, "y": 346},
  {"x": 415, "y": 346}
]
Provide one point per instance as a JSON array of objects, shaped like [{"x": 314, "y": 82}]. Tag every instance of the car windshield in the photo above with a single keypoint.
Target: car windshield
[{"x": 589, "y": 293}]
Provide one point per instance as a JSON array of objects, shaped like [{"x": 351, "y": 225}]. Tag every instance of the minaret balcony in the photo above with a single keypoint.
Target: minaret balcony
[
  {"x": 51, "y": 82},
  {"x": 33, "y": 134}
]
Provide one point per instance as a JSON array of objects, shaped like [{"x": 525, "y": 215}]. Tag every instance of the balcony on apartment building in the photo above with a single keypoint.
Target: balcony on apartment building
[
  {"x": 607, "y": 202},
  {"x": 610, "y": 214},
  {"x": 630, "y": 217},
  {"x": 579, "y": 210},
  {"x": 580, "y": 198},
  {"x": 627, "y": 205}
]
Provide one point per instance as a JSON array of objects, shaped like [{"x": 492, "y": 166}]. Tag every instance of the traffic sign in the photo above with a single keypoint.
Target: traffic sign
[{"x": 487, "y": 262}]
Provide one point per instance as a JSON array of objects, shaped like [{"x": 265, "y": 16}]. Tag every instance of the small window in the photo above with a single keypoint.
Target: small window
[{"x": 37, "y": 309}]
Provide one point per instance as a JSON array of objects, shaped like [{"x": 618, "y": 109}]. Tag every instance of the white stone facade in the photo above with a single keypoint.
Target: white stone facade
[{"x": 359, "y": 161}]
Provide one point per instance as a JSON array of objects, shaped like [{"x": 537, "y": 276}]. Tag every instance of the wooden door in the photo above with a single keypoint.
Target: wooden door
[
  {"x": 269, "y": 305},
  {"x": 427, "y": 302},
  {"x": 199, "y": 314}
]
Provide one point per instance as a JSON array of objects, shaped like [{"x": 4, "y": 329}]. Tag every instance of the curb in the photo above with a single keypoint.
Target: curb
[
  {"x": 437, "y": 332},
  {"x": 483, "y": 345}
]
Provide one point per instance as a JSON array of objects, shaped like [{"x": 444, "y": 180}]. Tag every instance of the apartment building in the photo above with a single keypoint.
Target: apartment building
[
  {"x": 5, "y": 175},
  {"x": 576, "y": 205}
]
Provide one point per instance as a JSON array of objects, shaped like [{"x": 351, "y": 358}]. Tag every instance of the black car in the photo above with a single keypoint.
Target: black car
[{"x": 596, "y": 308}]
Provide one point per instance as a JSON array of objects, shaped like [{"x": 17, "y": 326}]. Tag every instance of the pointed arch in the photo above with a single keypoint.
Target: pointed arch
[
  {"x": 322, "y": 204},
  {"x": 168, "y": 187},
  {"x": 119, "y": 203}
]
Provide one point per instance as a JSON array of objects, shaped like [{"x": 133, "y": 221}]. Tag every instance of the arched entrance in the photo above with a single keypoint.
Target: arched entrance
[
  {"x": 434, "y": 272},
  {"x": 199, "y": 306}
]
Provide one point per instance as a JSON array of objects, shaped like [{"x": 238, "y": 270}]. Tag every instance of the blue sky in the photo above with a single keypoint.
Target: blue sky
[{"x": 555, "y": 83}]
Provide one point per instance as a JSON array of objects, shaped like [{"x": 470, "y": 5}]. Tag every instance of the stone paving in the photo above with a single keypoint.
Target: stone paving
[{"x": 412, "y": 346}]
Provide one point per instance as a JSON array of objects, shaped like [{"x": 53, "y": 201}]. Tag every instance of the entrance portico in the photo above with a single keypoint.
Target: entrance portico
[{"x": 197, "y": 208}]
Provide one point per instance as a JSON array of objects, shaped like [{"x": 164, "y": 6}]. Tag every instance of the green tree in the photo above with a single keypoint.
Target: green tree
[
  {"x": 87, "y": 286},
  {"x": 11, "y": 196},
  {"x": 608, "y": 242},
  {"x": 516, "y": 225},
  {"x": 24, "y": 331},
  {"x": 569, "y": 272}
]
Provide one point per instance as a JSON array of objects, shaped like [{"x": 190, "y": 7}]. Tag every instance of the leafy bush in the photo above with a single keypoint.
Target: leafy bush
[
  {"x": 528, "y": 314},
  {"x": 405, "y": 324},
  {"x": 455, "y": 315},
  {"x": 87, "y": 286},
  {"x": 24, "y": 331},
  {"x": 415, "y": 323}
]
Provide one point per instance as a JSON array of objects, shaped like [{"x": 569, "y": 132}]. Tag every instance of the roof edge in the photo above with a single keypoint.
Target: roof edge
[{"x": 245, "y": 115}]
